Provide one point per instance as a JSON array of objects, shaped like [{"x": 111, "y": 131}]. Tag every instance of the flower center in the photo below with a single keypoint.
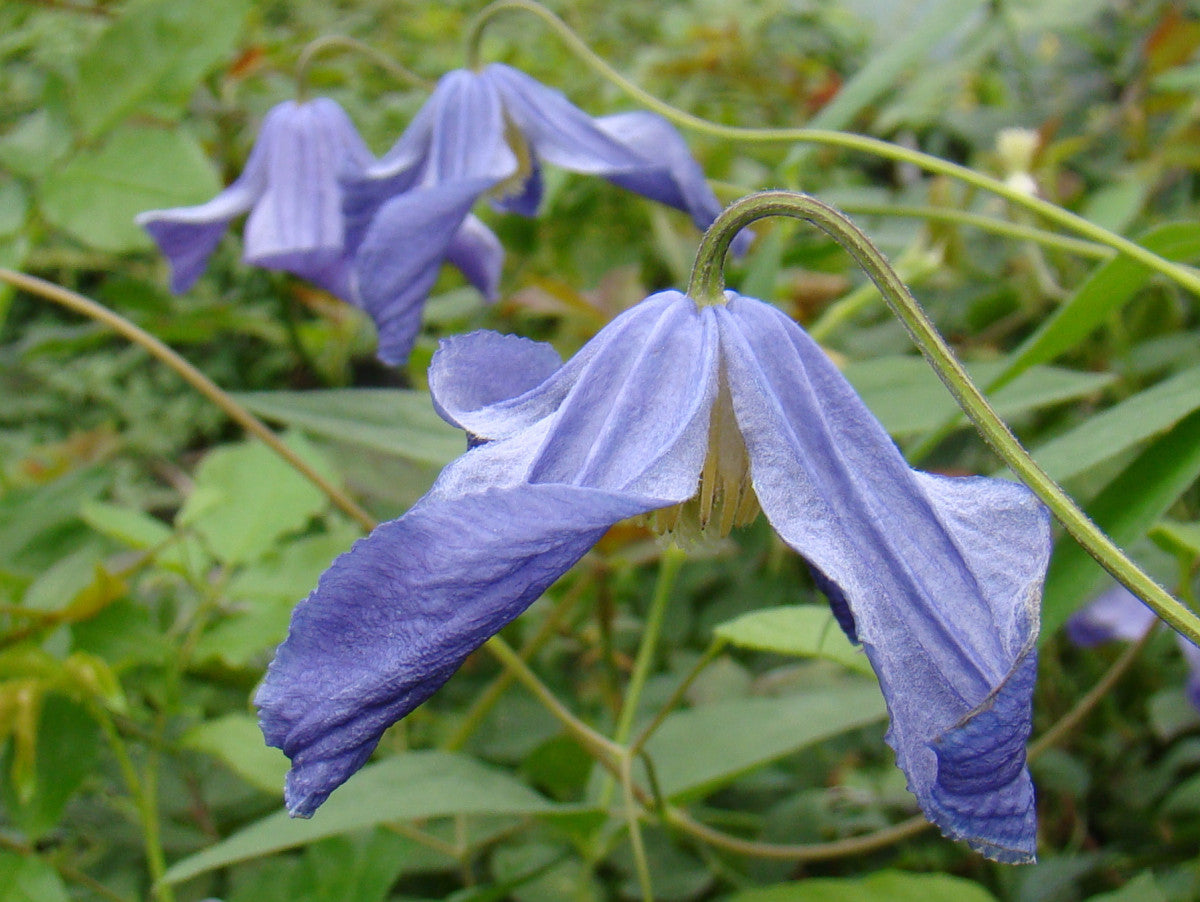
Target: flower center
[{"x": 725, "y": 497}]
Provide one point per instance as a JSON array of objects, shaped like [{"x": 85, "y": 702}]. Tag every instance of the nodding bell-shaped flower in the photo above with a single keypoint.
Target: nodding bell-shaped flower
[
  {"x": 696, "y": 418},
  {"x": 490, "y": 131},
  {"x": 1118, "y": 614},
  {"x": 290, "y": 189}
]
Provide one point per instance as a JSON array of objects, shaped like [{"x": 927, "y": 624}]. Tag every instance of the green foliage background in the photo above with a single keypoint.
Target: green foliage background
[{"x": 150, "y": 556}]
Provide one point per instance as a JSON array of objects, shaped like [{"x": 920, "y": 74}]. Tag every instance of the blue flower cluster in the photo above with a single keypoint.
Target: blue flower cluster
[
  {"x": 375, "y": 232},
  {"x": 696, "y": 417}
]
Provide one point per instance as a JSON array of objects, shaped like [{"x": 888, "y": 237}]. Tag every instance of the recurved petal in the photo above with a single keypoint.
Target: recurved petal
[
  {"x": 942, "y": 577},
  {"x": 395, "y": 616},
  {"x": 187, "y": 236},
  {"x": 399, "y": 259},
  {"x": 675, "y": 179},
  {"x": 478, "y": 254},
  {"x": 476, "y": 370}
]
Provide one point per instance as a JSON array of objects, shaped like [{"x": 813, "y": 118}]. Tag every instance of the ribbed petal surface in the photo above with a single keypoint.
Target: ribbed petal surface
[
  {"x": 640, "y": 151},
  {"x": 296, "y": 224},
  {"x": 941, "y": 577},
  {"x": 477, "y": 253},
  {"x": 395, "y": 616}
]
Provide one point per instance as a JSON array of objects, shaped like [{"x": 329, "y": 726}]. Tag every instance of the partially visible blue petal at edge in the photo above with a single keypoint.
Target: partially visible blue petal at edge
[
  {"x": 393, "y": 618},
  {"x": 942, "y": 577}
]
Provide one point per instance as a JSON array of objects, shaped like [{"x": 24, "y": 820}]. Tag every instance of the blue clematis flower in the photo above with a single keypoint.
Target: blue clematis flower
[
  {"x": 1118, "y": 614},
  {"x": 699, "y": 418},
  {"x": 489, "y": 131},
  {"x": 290, "y": 189}
]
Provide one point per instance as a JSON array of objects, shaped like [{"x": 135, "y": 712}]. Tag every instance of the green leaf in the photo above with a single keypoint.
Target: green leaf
[
  {"x": 246, "y": 498},
  {"x": 25, "y": 878},
  {"x": 42, "y": 512},
  {"x": 1142, "y": 888},
  {"x": 66, "y": 749},
  {"x": 37, "y": 143},
  {"x": 698, "y": 750},
  {"x": 1106, "y": 290},
  {"x": 909, "y": 399},
  {"x": 1177, "y": 537},
  {"x": 1125, "y": 509},
  {"x": 1105, "y": 435},
  {"x": 882, "y": 886},
  {"x": 396, "y": 421},
  {"x": 412, "y": 785},
  {"x": 237, "y": 742},
  {"x": 802, "y": 630},
  {"x": 156, "y": 51},
  {"x": 14, "y": 206},
  {"x": 96, "y": 195}
]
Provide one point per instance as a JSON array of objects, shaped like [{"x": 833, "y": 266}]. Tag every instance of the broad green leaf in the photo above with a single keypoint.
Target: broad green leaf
[
  {"x": 157, "y": 50},
  {"x": 882, "y": 886},
  {"x": 1180, "y": 538},
  {"x": 1142, "y": 888},
  {"x": 698, "y": 750},
  {"x": 246, "y": 498},
  {"x": 236, "y": 741},
  {"x": 802, "y": 630},
  {"x": 36, "y": 144},
  {"x": 1109, "y": 288},
  {"x": 67, "y": 744},
  {"x": 909, "y": 399},
  {"x": 28, "y": 515},
  {"x": 134, "y": 528},
  {"x": 1125, "y": 509},
  {"x": 396, "y": 421},
  {"x": 885, "y": 68},
  {"x": 1105, "y": 435},
  {"x": 413, "y": 785},
  {"x": 96, "y": 195},
  {"x": 26, "y": 878},
  {"x": 14, "y": 206}
]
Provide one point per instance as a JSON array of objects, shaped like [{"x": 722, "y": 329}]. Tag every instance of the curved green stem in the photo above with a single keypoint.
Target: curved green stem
[
  {"x": 829, "y": 138},
  {"x": 340, "y": 42},
  {"x": 708, "y": 281},
  {"x": 235, "y": 411}
]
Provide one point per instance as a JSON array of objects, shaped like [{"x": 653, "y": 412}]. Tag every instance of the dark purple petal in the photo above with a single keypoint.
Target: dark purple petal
[
  {"x": 640, "y": 151},
  {"x": 398, "y": 262},
  {"x": 394, "y": 617},
  {"x": 1116, "y": 614},
  {"x": 941, "y": 576}
]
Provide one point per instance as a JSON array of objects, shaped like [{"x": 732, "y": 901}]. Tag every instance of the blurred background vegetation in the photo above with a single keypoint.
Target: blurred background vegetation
[{"x": 150, "y": 556}]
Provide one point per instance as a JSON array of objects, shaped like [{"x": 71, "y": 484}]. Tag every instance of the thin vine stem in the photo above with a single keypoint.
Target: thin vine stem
[
  {"x": 1184, "y": 276},
  {"x": 193, "y": 377},
  {"x": 340, "y": 42},
  {"x": 707, "y": 285}
]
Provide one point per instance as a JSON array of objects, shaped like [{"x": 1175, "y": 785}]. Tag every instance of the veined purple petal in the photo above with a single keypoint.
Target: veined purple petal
[
  {"x": 506, "y": 414},
  {"x": 296, "y": 224},
  {"x": 639, "y": 151},
  {"x": 394, "y": 617},
  {"x": 400, "y": 257},
  {"x": 676, "y": 179},
  {"x": 457, "y": 135},
  {"x": 942, "y": 577},
  {"x": 477, "y": 253}
]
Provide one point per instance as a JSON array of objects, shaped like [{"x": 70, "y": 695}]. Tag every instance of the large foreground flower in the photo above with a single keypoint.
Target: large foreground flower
[
  {"x": 290, "y": 189},
  {"x": 701, "y": 416},
  {"x": 490, "y": 131}
]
